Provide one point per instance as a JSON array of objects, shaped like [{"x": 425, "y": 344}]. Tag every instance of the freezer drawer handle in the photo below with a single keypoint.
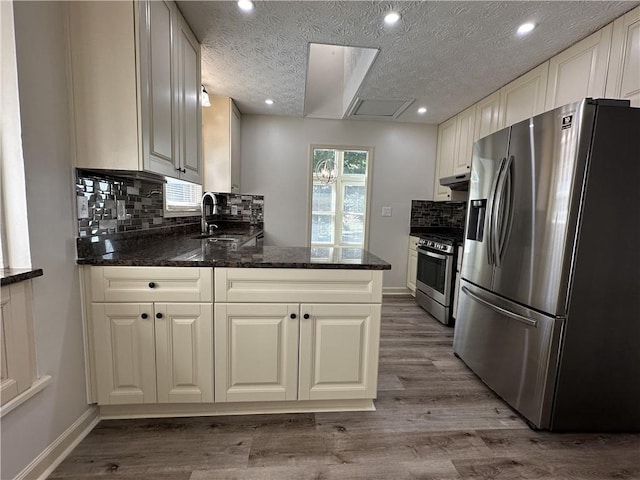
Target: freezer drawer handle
[{"x": 504, "y": 311}]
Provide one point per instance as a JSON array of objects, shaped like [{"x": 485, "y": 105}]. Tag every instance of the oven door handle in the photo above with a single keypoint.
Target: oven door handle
[{"x": 434, "y": 255}]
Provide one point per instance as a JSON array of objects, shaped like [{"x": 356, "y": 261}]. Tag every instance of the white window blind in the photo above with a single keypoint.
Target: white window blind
[{"x": 180, "y": 196}]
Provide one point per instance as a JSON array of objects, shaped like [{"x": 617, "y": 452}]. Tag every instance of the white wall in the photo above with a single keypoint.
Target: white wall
[
  {"x": 30, "y": 428},
  {"x": 276, "y": 163}
]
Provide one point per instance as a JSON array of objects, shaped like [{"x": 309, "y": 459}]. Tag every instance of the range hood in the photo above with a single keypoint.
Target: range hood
[{"x": 457, "y": 182}]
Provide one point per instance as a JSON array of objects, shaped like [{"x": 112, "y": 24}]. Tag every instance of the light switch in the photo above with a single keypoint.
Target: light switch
[
  {"x": 83, "y": 207},
  {"x": 234, "y": 209},
  {"x": 387, "y": 211}
]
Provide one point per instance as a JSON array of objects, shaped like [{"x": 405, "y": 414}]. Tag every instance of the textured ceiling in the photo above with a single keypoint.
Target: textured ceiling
[{"x": 446, "y": 55}]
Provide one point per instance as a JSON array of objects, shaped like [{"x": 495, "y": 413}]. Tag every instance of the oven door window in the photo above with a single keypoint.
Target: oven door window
[{"x": 432, "y": 271}]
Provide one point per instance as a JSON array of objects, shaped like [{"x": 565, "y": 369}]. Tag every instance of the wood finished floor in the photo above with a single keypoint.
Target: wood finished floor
[{"x": 434, "y": 420}]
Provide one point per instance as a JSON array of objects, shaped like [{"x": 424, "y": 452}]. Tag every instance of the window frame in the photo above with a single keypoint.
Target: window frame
[
  {"x": 176, "y": 212},
  {"x": 342, "y": 179}
]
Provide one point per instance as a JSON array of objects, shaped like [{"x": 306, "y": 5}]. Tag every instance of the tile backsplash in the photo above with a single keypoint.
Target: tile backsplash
[
  {"x": 144, "y": 205},
  {"x": 425, "y": 213}
]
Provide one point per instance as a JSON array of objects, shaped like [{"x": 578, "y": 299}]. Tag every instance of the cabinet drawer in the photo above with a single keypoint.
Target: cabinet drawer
[
  {"x": 297, "y": 285},
  {"x": 151, "y": 284}
]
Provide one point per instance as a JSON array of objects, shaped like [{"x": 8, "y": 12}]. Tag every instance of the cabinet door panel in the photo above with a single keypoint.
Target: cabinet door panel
[
  {"x": 339, "y": 351},
  {"x": 235, "y": 149},
  {"x": 412, "y": 270},
  {"x": 189, "y": 123},
  {"x": 256, "y": 354},
  {"x": 184, "y": 352},
  {"x": 157, "y": 87},
  {"x": 487, "y": 116},
  {"x": 445, "y": 157},
  {"x": 623, "y": 77},
  {"x": 524, "y": 97},
  {"x": 465, "y": 132},
  {"x": 124, "y": 353},
  {"x": 579, "y": 71}
]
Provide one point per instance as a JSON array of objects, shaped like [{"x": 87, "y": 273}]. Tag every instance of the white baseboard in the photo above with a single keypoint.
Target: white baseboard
[
  {"x": 396, "y": 291},
  {"x": 45, "y": 463}
]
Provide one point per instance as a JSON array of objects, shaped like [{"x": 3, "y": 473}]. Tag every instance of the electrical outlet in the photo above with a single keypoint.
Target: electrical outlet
[
  {"x": 234, "y": 209},
  {"x": 121, "y": 208},
  {"x": 387, "y": 211},
  {"x": 83, "y": 207}
]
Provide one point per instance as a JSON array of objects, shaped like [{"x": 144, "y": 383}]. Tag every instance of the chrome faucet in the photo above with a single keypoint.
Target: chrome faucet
[{"x": 209, "y": 207}]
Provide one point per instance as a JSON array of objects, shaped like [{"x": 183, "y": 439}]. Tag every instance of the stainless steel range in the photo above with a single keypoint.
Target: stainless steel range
[{"x": 435, "y": 277}]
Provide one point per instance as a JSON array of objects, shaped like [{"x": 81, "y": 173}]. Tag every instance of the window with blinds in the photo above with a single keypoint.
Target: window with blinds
[{"x": 182, "y": 197}]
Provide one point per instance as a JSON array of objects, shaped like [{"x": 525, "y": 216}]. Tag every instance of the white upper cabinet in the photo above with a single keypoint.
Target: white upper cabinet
[
  {"x": 189, "y": 111},
  {"x": 623, "y": 77},
  {"x": 466, "y": 121},
  {"x": 135, "y": 76},
  {"x": 487, "y": 116},
  {"x": 524, "y": 97},
  {"x": 157, "y": 60},
  {"x": 445, "y": 156},
  {"x": 579, "y": 71},
  {"x": 221, "y": 146}
]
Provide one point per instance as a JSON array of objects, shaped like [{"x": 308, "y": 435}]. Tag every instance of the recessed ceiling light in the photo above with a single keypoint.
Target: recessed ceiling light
[
  {"x": 245, "y": 5},
  {"x": 422, "y": 110},
  {"x": 391, "y": 18},
  {"x": 268, "y": 101},
  {"x": 525, "y": 28}
]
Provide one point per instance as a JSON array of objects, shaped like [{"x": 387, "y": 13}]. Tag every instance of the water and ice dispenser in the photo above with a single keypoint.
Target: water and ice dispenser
[{"x": 477, "y": 212}]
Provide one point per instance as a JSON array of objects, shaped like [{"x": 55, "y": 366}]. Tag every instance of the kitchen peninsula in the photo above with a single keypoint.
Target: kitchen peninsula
[{"x": 184, "y": 325}]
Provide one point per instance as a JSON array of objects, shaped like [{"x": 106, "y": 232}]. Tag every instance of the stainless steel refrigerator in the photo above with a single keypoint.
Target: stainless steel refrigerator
[{"x": 549, "y": 308}]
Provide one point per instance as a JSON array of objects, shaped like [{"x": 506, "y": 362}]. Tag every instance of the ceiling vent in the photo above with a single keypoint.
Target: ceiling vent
[{"x": 383, "y": 109}]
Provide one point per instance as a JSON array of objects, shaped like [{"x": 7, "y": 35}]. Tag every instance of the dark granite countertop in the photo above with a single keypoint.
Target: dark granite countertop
[
  {"x": 15, "y": 275},
  {"x": 189, "y": 250}
]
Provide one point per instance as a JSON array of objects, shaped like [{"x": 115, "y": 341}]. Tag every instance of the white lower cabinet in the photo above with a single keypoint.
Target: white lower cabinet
[
  {"x": 256, "y": 352},
  {"x": 152, "y": 352},
  {"x": 149, "y": 334},
  {"x": 270, "y": 352},
  {"x": 278, "y": 335},
  {"x": 296, "y": 334},
  {"x": 412, "y": 264},
  {"x": 339, "y": 351}
]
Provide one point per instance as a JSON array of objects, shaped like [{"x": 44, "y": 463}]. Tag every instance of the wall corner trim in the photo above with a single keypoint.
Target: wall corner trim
[{"x": 45, "y": 463}]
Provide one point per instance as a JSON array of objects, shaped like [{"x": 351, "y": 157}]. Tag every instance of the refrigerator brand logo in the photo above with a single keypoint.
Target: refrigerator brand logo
[{"x": 567, "y": 121}]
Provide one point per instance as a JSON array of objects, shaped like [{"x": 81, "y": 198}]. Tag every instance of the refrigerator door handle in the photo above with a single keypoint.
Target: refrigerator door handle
[
  {"x": 527, "y": 321},
  {"x": 491, "y": 214},
  {"x": 503, "y": 208}
]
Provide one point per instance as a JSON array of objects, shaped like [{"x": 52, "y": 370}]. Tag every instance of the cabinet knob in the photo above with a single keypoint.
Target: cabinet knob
[
  {"x": 144, "y": 316},
  {"x": 468, "y": 167},
  {"x": 158, "y": 315},
  {"x": 306, "y": 316},
  {"x": 152, "y": 285},
  {"x": 293, "y": 316}
]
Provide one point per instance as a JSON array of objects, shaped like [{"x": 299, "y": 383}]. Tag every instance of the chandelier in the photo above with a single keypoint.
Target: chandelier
[{"x": 325, "y": 171}]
